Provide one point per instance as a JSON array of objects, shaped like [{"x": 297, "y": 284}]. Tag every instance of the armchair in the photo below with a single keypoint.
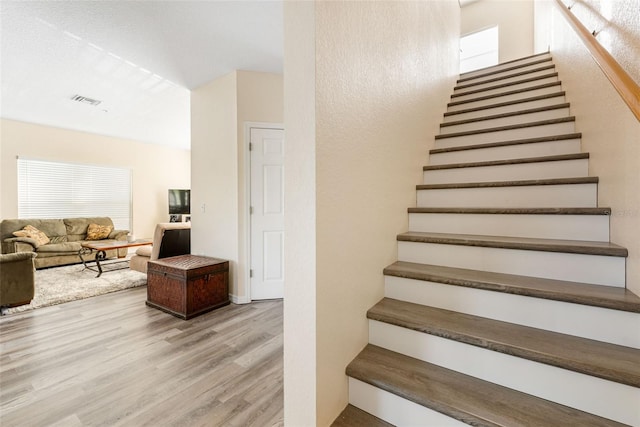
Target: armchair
[
  {"x": 17, "y": 279},
  {"x": 169, "y": 239}
]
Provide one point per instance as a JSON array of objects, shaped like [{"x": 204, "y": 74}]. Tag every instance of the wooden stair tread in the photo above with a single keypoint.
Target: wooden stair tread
[
  {"x": 610, "y": 297},
  {"x": 504, "y": 104},
  {"x": 497, "y": 79},
  {"x": 595, "y": 358},
  {"x": 504, "y": 115},
  {"x": 504, "y": 85},
  {"x": 556, "y": 158},
  {"x": 509, "y": 127},
  {"x": 551, "y": 138},
  {"x": 498, "y": 95},
  {"x": 490, "y": 70},
  {"x": 352, "y": 416},
  {"x": 522, "y": 243},
  {"x": 521, "y": 183},
  {"x": 460, "y": 396},
  {"x": 516, "y": 211}
]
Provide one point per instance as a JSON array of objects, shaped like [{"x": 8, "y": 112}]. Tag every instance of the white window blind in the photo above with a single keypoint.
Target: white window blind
[{"x": 67, "y": 190}]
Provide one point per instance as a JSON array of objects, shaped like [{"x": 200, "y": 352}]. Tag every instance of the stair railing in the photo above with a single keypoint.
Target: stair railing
[{"x": 619, "y": 78}]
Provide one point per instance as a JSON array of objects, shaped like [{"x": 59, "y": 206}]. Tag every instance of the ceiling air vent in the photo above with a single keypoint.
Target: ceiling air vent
[{"x": 85, "y": 100}]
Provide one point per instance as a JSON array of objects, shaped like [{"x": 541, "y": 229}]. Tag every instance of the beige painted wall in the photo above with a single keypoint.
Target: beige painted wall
[
  {"x": 383, "y": 74},
  {"x": 214, "y": 172},
  {"x": 260, "y": 100},
  {"x": 219, "y": 110},
  {"x": 155, "y": 168},
  {"x": 616, "y": 21},
  {"x": 300, "y": 214},
  {"x": 515, "y": 24},
  {"x": 610, "y": 132}
]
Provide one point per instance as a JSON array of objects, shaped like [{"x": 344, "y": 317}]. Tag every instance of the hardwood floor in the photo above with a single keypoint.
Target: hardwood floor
[{"x": 113, "y": 361}]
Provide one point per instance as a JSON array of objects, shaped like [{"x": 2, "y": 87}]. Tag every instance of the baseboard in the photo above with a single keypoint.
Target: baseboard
[{"x": 239, "y": 300}]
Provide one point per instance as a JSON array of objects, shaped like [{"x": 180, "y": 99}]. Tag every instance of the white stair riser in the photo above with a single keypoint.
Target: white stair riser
[
  {"x": 602, "y": 324},
  {"x": 522, "y": 66},
  {"x": 472, "y": 94},
  {"x": 565, "y": 227},
  {"x": 507, "y": 135},
  {"x": 503, "y": 80},
  {"x": 507, "y": 121},
  {"x": 513, "y": 172},
  {"x": 536, "y": 196},
  {"x": 559, "y": 385},
  {"x": 505, "y": 98},
  {"x": 546, "y": 102},
  {"x": 517, "y": 151},
  {"x": 594, "y": 269},
  {"x": 395, "y": 409}
]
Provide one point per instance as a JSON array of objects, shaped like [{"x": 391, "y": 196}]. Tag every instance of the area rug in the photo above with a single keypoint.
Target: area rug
[{"x": 57, "y": 285}]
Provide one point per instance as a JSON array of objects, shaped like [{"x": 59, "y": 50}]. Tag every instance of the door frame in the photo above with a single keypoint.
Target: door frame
[{"x": 246, "y": 256}]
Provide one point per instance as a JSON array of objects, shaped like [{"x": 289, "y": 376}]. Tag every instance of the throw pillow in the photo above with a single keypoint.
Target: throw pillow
[
  {"x": 32, "y": 233},
  {"x": 98, "y": 232}
]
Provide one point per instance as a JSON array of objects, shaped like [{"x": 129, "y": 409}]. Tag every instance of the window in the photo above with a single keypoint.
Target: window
[
  {"x": 479, "y": 50},
  {"x": 66, "y": 190}
]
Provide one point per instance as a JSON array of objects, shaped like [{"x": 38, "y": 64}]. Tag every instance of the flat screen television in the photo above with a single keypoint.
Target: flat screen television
[{"x": 179, "y": 202}]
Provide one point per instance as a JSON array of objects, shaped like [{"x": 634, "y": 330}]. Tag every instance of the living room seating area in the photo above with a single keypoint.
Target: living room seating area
[{"x": 58, "y": 241}]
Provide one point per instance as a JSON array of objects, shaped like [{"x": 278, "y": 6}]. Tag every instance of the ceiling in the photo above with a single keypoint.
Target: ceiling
[{"x": 140, "y": 59}]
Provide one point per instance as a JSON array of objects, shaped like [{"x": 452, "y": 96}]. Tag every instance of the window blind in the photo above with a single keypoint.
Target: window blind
[{"x": 49, "y": 189}]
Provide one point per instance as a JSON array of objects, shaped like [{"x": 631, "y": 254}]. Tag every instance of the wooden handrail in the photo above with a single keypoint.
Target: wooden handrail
[{"x": 619, "y": 78}]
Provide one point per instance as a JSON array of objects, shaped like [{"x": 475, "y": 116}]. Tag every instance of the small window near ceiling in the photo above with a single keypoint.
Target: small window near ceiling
[
  {"x": 49, "y": 189},
  {"x": 479, "y": 50}
]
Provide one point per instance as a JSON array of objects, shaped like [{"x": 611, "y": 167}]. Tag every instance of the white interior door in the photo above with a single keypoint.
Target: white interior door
[{"x": 267, "y": 213}]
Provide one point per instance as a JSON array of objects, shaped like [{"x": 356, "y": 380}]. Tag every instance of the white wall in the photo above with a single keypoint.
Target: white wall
[
  {"x": 300, "y": 326},
  {"x": 610, "y": 132},
  {"x": 219, "y": 110},
  {"x": 515, "y": 24},
  {"x": 214, "y": 172},
  {"x": 155, "y": 168},
  {"x": 383, "y": 74}
]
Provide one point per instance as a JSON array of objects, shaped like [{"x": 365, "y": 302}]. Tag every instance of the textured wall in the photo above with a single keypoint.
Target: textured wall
[
  {"x": 374, "y": 78},
  {"x": 300, "y": 214},
  {"x": 610, "y": 132},
  {"x": 617, "y": 23}
]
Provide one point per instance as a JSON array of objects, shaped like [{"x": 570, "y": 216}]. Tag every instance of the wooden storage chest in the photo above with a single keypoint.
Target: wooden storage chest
[{"x": 187, "y": 285}]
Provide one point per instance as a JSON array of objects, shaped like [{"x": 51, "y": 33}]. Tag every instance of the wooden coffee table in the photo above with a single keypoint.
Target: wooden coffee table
[{"x": 101, "y": 249}]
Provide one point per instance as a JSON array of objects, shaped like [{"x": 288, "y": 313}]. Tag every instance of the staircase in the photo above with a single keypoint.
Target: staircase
[{"x": 507, "y": 305}]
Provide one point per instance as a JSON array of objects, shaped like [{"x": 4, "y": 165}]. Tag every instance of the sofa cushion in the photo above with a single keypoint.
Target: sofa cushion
[
  {"x": 98, "y": 232},
  {"x": 30, "y": 232},
  {"x": 144, "y": 251},
  {"x": 77, "y": 227},
  {"x": 58, "y": 239}
]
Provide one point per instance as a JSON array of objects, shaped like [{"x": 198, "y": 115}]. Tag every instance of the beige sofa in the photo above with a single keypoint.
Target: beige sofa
[
  {"x": 65, "y": 238},
  {"x": 169, "y": 239}
]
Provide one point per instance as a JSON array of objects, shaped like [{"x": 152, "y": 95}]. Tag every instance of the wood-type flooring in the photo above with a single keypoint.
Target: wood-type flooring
[{"x": 113, "y": 361}]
